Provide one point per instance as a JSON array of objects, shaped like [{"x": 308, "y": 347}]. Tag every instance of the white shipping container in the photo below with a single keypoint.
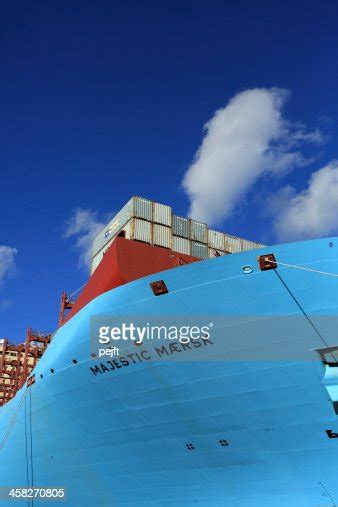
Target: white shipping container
[
  {"x": 135, "y": 207},
  {"x": 113, "y": 227},
  {"x": 101, "y": 240},
  {"x": 199, "y": 250},
  {"x": 250, "y": 245},
  {"x": 128, "y": 229},
  {"x": 137, "y": 229},
  {"x": 142, "y": 208},
  {"x": 162, "y": 214},
  {"x": 162, "y": 235},
  {"x": 198, "y": 231},
  {"x": 232, "y": 244},
  {"x": 141, "y": 230},
  {"x": 181, "y": 245},
  {"x": 216, "y": 239},
  {"x": 181, "y": 226}
]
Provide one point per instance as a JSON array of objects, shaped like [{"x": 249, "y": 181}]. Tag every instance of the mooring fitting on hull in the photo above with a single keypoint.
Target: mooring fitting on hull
[
  {"x": 266, "y": 262},
  {"x": 159, "y": 288}
]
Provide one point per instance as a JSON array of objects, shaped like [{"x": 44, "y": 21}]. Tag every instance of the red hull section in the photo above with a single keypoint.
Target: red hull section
[{"x": 125, "y": 261}]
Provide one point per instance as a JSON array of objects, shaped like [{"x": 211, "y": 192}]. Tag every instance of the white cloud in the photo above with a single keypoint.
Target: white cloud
[
  {"x": 313, "y": 212},
  {"x": 84, "y": 226},
  {"x": 7, "y": 261},
  {"x": 242, "y": 141}
]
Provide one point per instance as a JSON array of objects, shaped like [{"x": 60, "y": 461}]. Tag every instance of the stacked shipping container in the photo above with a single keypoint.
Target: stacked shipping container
[
  {"x": 151, "y": 222},
  {"x": 18, "y": 361}
]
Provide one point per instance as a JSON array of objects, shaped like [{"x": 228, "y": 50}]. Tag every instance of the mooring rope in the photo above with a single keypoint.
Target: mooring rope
[
  {"x": 295, "y": 266},
  {"x": 11, "y": 423}
]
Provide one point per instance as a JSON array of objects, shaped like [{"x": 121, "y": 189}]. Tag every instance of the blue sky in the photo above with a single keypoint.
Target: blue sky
[{"x": 101, "y": 101}]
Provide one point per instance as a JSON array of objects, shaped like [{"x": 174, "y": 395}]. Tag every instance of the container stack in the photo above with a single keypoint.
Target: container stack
[
  {"x": 190, "y": 237},
  {"x": 154, "y": 223},
  {"x": 18, "y": 361},
  {"x": 140, "y": 220}
]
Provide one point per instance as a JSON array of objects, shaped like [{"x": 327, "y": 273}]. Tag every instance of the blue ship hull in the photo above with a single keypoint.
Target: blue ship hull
[{"x": 238, "y": 432}]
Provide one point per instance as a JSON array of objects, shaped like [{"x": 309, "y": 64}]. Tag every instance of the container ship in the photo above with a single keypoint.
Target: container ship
[{"x": 243, "y": 415}]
